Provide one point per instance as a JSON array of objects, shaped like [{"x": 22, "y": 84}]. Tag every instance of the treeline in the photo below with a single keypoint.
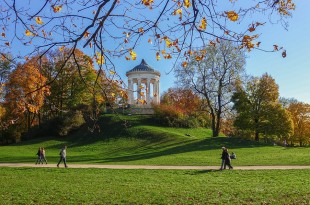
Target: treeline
[
  {"x": 52, "y": 94},
  {"x": 257, "y": 112}
]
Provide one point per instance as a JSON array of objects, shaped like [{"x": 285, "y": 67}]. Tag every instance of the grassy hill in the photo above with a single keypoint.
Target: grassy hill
[{"x": 139, "y": 140}]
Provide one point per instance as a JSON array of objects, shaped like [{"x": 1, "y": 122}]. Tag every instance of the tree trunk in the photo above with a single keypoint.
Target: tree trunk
[
  {"x": 256, "y": 136},
  {"x": 217, "y": 125},
  {"x": 214, "y": 131},
  {"x": 256, "y": 130}
]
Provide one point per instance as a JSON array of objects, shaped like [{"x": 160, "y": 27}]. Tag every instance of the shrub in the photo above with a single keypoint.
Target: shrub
[
  {"x": 71, "y": 122},
  {"x": 169, "y": 115},
  {"x": 174, "y": 116}
]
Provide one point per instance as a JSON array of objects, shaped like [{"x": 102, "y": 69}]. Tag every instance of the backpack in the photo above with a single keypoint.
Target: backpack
[{"x": 233, "y": 156}]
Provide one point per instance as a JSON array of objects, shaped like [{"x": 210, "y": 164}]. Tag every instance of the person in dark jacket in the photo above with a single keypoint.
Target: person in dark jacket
[
  {"x": 223, "y": 158},
  {"x": 227, "y": 159},
  {"x": 39, "y": 154}
]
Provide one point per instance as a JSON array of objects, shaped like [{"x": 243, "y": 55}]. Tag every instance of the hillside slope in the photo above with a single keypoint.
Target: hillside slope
[{"x": 138, "y": 140}]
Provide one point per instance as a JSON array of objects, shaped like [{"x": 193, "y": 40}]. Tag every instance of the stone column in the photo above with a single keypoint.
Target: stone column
[
  {"x": 130, "y": 91},
  {"x": 147, "y": 91},
  {"x": 139, "y": 89},
  {"x": 158, "y": 95},
  {"x": 155, "y": 92}
]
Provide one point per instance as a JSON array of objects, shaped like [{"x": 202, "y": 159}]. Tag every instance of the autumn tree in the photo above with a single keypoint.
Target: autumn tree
[
  {"x": 213, "y": 75},
  {"x": 72, "y": 80},
  {"x": 300, "y": 113},
  {"x": 110, "y": 29},
  {"x": 258, "y": 109},
  {"x": 21, "y": 100},
  {"x": 181, "y": 107},
  {"x": 185, "y": 99}
]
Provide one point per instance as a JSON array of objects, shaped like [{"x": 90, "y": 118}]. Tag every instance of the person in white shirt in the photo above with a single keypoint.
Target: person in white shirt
[{"x": 63, "y": 156}]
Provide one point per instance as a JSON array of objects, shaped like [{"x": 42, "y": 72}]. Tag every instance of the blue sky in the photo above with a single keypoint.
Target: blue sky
[{"x": 292, "y": 73}]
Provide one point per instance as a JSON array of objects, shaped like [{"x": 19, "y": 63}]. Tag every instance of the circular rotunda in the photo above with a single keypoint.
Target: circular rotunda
[{"x": 143, "y": 85}]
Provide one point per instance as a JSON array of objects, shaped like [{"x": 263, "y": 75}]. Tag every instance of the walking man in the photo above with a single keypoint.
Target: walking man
[
  {"x": 63, "y": 155},
  {"x": 223, "y": 157}
]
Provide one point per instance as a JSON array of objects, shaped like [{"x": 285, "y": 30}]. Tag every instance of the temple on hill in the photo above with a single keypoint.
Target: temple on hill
[{"x": 143, "y": 86}]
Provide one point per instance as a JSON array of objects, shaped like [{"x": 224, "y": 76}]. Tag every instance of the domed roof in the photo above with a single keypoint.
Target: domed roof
[{"x": 142, "y": 67}]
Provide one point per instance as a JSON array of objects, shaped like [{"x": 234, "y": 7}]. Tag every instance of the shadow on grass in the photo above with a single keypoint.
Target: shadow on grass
[{"x": 149, "y": 151}]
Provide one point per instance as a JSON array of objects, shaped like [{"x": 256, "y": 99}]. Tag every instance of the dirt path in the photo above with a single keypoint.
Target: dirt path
[{"x": 103, "y": 166}]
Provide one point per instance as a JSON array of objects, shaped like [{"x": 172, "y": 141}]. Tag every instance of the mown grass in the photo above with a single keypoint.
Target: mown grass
[
  {"x": 138, "y": 140},
  {"x": 103, "y": 186}
]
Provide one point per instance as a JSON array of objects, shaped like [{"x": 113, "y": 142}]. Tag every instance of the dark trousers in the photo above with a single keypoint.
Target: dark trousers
[
  {"x": 39, "y": 160},
  {"x": 62, "y": 159},
  {"x": 227, "y": 163}
]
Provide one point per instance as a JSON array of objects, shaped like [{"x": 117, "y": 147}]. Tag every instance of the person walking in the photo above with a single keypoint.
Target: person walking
[
  {"x": 227, "y": 159},
  {"x": 39, "y": 154},
  {"x": 43, "y": 158},
  {"x": 223, "y": 158},
  {"x": 63, "y": 156}
]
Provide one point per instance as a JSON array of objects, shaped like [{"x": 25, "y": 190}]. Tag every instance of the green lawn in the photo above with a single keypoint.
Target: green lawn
[
  {"x": 144, "y": 143},
  {"x": 103, "y": 186}
]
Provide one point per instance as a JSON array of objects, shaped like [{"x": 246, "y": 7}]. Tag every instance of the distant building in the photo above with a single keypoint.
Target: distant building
[{"x": 143, "y": 86}]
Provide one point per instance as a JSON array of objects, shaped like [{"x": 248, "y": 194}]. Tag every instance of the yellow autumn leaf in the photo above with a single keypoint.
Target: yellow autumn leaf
[
  {"x": 99, "y": 58},
  {"x": 57, "y": 9},
  {"x": 168, "y": 42},
  {"x": 112, "y": 72},
  {"x": 61, "y": 48},
  {"x": 133, "y": 54},
  {"x": 233, "y": 16},
  {"x": 157, "y": 56},
  {"x": 141, "y": 30},
  {"x": 187, "y": 3},
  {"x": 28, "y": 33},
  {"x": 184, "y": 64},
  {"x": 199, "y": 58},
  {"x": 203, "y": 24},
  {"x": 212, "y": 43},
  {"x": 86, "y": 34},
  {"x": 141, "y": 87},
  {"x": 147, "y": 2},
  {"x": 142, "y": 94},
  {"x": 203, "y": 51},
  {"x": 39, "y": 20},
  {"x": 113, "y": 94},
  {"x": 247, "y": 42},
  {"x": 168, "y": 56}
]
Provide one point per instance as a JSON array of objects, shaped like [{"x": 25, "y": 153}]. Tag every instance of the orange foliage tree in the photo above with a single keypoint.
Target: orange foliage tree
[
  {"x": 300, "y": 113},
  {"x": 184, "y": 99},
  {"x": 25, "y": 95},
  {"x": 181, "y": 107}
]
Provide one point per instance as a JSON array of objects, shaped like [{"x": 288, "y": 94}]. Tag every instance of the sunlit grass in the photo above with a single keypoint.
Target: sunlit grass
[{"x": 100, "y": 186}]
